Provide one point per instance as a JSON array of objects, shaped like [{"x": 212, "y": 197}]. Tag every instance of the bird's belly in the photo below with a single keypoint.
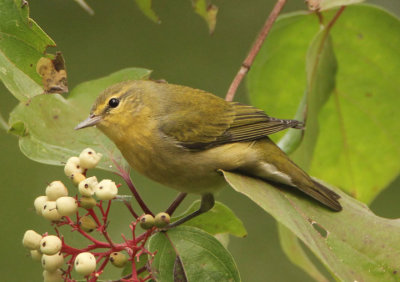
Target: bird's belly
[{"x": 176, "y": 168}]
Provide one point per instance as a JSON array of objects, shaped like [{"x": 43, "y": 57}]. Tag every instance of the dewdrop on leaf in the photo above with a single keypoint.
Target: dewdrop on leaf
[
  {"x": 89, "y": 158},
  {"x": 73, "y": 166},
  {"x": 85, "y": 263},
  {"x": 106, "y": 190},
  {"x": 55, "y": 190},
  {"x": 50, "y": 245},
  {"x": 87, "y": 186}
]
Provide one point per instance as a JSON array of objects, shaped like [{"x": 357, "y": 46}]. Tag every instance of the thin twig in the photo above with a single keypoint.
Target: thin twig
[
  {"x": 125, "y": 175},
  {"x": 335, "y": 18},
  {"x": 255, "y": 49},
  {"x": 178, "y": 200},
  {"x": 127, "y": 178},
  {"x": 129, "y": 206}
]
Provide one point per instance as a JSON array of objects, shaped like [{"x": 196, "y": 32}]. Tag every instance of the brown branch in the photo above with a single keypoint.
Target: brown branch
[
  {"x": 178, "y": 200},
  {"x": 125, "y": 175},
  {"x": 255, "y": 49},
  {"x": 335, "y": 18},
  {"x": 129, "y": 206}
]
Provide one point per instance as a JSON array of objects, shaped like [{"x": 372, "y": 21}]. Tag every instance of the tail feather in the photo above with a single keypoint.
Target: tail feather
[
  {"x": 275, "y": 166},
  {"x": 324, "y": 195}
]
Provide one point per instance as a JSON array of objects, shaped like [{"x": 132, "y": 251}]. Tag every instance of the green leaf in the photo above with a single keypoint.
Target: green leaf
[
  {"x": 18, "y": 128},
  {"x": 322, "y": 5},
  {"x": 324, "y": 77},
  {"x": 292, "y": 248},
  {"x": 361, "y": 104},
  {"x": 354, "y": 244},
  {"x": 200, "y": 255},
  {"x": 162, "y": 266},
  {"x": 321, "y": 67},
  {"x": 220, "y": 219},
  {"x": 207, "y": 11},
  {"x": 145, "y": 7},
  {"x": 50, "y": 121},
  {"x": 22, "y": 44}
]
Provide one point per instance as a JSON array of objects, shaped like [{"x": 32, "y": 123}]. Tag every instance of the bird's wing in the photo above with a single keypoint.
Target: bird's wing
[
  {"x": 209, "y": 121},
  {"x": 251, "y": 124}
]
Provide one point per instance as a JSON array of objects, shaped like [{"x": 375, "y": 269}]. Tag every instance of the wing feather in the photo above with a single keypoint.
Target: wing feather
[{"x": 205, "y": 121}]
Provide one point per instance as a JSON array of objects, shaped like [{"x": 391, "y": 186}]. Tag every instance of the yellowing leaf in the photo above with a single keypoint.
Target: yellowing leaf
[
  {"x": 207, "y": 11},
  {"x": 22, "y": 44}
]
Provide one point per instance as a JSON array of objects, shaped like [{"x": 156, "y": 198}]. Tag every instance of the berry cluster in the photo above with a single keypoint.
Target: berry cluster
[{"x": 90, "y": 208}]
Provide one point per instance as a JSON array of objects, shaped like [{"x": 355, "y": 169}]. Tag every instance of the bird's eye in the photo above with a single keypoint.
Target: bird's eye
[{"x": 113, "y": 103}]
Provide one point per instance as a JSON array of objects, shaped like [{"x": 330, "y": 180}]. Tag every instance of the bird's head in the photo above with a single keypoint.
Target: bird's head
[{"x": 114, "y": 105}]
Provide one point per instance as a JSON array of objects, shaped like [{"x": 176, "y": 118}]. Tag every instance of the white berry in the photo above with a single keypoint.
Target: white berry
[
  {"x": 73, "y": 166},
  {"x": 50, "y": 245},
  {"x": 66, "y": 206},
  {"x": 77, "y": 178},
  {"x": 31, "y": 240},
  {"x": 39, "y": 203},
  {"x": 55, "y": 276},
  {"x": 50, "y": 211},
  {"x": 89, "y": 158},
  {"x": 53, "y": 262},
  {"x": 106, "y": 190},
  {"x": 36, "y": 255},
  {"x": 87, "y": 186},
  {"x": 55, "y": 190},
  {"x": 85, "y": 263}
]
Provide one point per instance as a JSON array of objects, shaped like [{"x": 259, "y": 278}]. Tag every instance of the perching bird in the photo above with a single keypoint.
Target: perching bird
[{"x": 181, "y": 137}]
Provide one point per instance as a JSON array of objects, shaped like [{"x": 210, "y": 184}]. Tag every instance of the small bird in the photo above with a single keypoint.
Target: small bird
[{"x": 182, "y": 137}]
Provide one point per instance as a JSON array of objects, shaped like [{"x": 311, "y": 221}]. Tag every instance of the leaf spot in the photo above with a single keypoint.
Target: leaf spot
[{"x": 322, "y": 231}]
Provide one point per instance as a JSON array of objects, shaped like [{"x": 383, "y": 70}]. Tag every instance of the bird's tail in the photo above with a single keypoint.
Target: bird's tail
[
  {"x": 276, "y": 167},
  {"x": 324, "y": 195}
]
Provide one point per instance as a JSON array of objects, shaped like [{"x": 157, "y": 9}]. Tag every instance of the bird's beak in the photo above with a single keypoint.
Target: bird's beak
[{"x": 90, "y": 121}]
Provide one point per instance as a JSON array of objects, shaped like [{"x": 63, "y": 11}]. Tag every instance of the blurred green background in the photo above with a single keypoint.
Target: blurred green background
[{"x": 179, "y": 50}]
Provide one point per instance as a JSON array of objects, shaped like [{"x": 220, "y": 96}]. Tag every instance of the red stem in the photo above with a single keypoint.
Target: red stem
[
  {"x": 134, "y": 273},
  {"x": 178, "y": 200},
  {"x": 125, "y": 175},
  {"x": 94, "y": 216},
  {"x": 107, "y": 212},
  {"x": 129, "y": 206},
  {"x": 255, "y": 49}
]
